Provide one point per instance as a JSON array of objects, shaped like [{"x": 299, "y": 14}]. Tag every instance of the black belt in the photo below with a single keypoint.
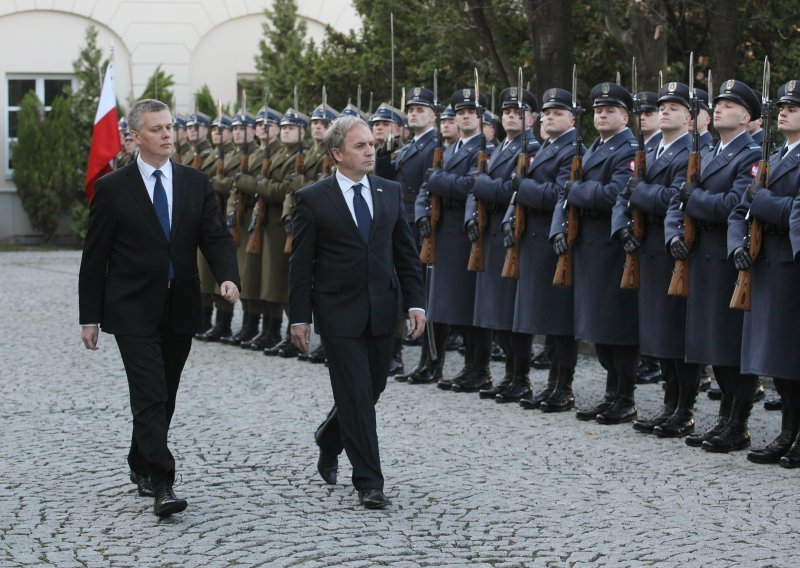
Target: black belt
[
  {"x": 775, "y": 230},
  {"x": 708, "y": 226},
  {"x": 453, "y": 203},
  {"x": 594, "y": 214},
  {"x": 532, "y": 212}
]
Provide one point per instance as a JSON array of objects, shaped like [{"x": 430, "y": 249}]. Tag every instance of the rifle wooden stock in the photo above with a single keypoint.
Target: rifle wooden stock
[
  {"x": 238, "y": 204},
  {"x": 427, "y": 252},
  {"x": 679, "y": 282},
  {"x": 742, "y": 297},
  {"x": 299, "y": 168},
  {"x": 259, "y": 214},
  {"x": 563, "y": 275},
  {"x": 220, "y": 167},
  {"x": 511, "y": 262},
  {"x": 475, "y": 263},
  {"x": 197, "y": 160},
  {"x": 631, "y": 274}
]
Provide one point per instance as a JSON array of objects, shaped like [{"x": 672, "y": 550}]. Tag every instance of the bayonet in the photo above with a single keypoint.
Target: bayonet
[
  {"x": 710, "y": 91},
  {"x": 619, "y": 79},
  {"x": 391, "y": 37},
  {"x": 296, "y": 108},
  {"x": 660, "y": 79},
  {"x": 358, "y": 98},
  {"x": 369, "y": 110},
  {"x": 520, "y": 86}
]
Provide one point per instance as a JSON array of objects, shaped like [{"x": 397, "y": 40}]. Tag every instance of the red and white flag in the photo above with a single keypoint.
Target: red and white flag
[{"x": 105, "y": 136}]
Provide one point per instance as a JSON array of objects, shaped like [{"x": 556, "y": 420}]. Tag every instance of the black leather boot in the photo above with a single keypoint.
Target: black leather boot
[
  {"x": 469, "y": 361},
  {"x": 667, "y": 409},
  {"x": 205, "y": 321},
  {"x": 222, "y": 327},
  {"x": 433, "y": 371},
  {"x": 269, "y": 337},
  {"x": 520, "y": 386},
  {"x": 681, "y": 423},
  {"x": 608, "y": 399},
  {"x": 562, "y": 398},
  {"x": 735, "y": 436},
  {"x": 317, "y": 355},
  {"x": 496, "y": 389},
  {"x": 725, "y": 405},
  {"x": 248, "y": 343},
  {"x": 423, "y": 365},
  {"x": 623, "y": 409},
  {"x": 247, "y": 332},
  {"x": 480, "y": 377},
  {"x": 396, "y": 366},
  {"x": 791, "y": 459},
  {"x": 773, "y": 403},
  {"x": 781, "y": 445},
  {"x": 276, "y": 349}
]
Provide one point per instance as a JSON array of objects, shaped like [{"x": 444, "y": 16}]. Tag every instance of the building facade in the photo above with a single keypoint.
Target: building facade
[{"x": 198, "y": 42}]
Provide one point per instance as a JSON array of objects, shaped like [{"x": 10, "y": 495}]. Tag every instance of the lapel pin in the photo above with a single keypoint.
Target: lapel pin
[{"x": 379, "y": 190}]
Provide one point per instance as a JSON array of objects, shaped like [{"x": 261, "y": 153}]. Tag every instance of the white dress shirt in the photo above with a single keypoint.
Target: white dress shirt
[
  {"x": 146, "y": 170},
  {"x": 346, "y": 185}
]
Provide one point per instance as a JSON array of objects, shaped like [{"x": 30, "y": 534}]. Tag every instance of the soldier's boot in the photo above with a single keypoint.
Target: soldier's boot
[
  {"x": 469, "y": 362},
  {"x": 316, "y": 355},
  {"x": 535, "y": 400},
  {"x": 681, "y": 423},
  {"x": 249, "y": 343},
  {"x": 649, "y": 370},
  {"x": 222, "y": 327},
  {"x": 205, "y": 321},
  {"x": 275, "y": 350},
  {"x": 520, "y": 386},
  {"x": 608, "y": 399},
  {"x": 248, "y": 330},
  {"x": 504, "y": 384},
  {"x": 481, "y": 376},
  {"x": 270, "y": 334},
  {"x": 433, "y": 371},
  {"x": 671, "y": 393},
  {"x": 736, "y": 435},
  {"x": 705, "y": 378},
  {"x": 725, "y": 405},
  {"x": 783, "y": 444},
  {"x": 396, "y": 365},
  {"x": 422, "y": 365},
  {"x": 623, "y": 409},
  {"x": 565, "y": 356}
]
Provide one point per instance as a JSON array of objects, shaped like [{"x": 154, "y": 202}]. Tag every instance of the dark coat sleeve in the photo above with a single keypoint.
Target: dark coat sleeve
[{"x": 301, "y": 262}]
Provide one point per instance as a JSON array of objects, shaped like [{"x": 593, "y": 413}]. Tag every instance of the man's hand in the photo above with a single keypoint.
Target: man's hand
[
  {"x": 424, "y": 227},
  {"x": 560, "y": 244},
  {"x": 568, "y": 187},
  {"x": 751, "y": 191},
  {"x": 428, "y": 174},
  {"x": 629, "y": 241},
  {"x": 416, "y": 323},
  {"x": 301, "y": 336},
  {"x": 89, "y": 335},
  {"x": 678, "y": 248},
  {"x": 508, "y": 234},
  {"x": 229, "y": 291},
  {"x": 472, "y": 230},
  {"x": 742, "y": 259},
  {"x": 685, "y": 191},
  {"x": 629, "y": 187},
  {"x": 516, "y": 181}
]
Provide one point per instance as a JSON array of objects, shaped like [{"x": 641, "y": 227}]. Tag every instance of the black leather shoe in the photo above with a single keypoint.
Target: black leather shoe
[
  {"x": 328, "y": 467},
  {"x": 519, "y": 388},
  {"x": 731, "y": 439},
  {"x": 678, "y": 425},
  {"x": 541, "y": 361},
  {"x": 143, "y": 484},
  {"x": 498, "y": 354},
  {"x": 166, "y": 503},
  {"x": 696, "y": 440},
  {"x": 561, "y": 400},
  {"x": 396, "y": 366},
  {"x": 791, "y": 459},
  {"x": 773, "y": 403},
  {"x": 646, "y": 425},
  {"x": 473, "y": 383},
  {"x": 623, "y": 409},
  {"x": 535, "y": 400},
  {"x": 373, "y": 499},
  {"x": 649, "y": 371},
  {"x": 317, "y": 356},
  {"x": 454, "y": 342},
  {"x": 591, "y": 413},
  {"x": 705, "y": 381},
  {"x": 493, "y": 391},
  {"x": 775, "y": 450},
  {"x": 275, "y": 349},
  {"x": 426, "y": 377},
  {"x": 288, "y": 351},
  {"x": 445, "y": 384}
]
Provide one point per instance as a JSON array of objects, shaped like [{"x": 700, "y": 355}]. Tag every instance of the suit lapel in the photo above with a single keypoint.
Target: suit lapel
[
  {"x": 336, "y": 197},
  {"x": 140, "y": 196},
  {"x": 784, "y": 166},
  {"x": 725, "y": 156},
  {"x": 377, "y": 204},
  {"x": 179, "y": 197},
  {"x": 503, "y": 155}
]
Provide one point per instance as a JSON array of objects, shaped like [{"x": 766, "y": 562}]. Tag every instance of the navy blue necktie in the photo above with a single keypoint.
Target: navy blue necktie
[
  {"x": 162, "y": 210},
  {"x": 363, "y": 218}
]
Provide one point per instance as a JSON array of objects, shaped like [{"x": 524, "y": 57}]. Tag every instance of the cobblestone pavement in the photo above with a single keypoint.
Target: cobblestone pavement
[{"x": 473, "y": 483}]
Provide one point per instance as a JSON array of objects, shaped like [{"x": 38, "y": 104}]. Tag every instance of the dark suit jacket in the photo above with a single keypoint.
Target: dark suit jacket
[
  {"x": 344, "y": 282},
  {"x": 124, "y": 269}
]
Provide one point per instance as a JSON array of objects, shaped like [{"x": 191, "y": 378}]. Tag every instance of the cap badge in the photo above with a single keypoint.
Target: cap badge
[
  {"x": 416, "y": 91},
  {"x": 552, "y": 93},
  {"x": 605, "y": 88},
  {"x": 513, "y": 92},
  {"x": 729, "y": 85},
  {"x": 790, "y": 87},
  {"x": 672, "y": 86}
]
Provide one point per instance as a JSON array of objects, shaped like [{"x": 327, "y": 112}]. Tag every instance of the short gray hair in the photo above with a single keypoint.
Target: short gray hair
[
  {"x": 336, "y": 133},
  {"x": 139, "y": 108}
]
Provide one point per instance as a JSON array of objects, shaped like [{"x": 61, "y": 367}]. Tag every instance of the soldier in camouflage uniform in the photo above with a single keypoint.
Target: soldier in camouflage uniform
[
  {"x": 126, "y": 154},
  {"x": 180, "y": 139}
]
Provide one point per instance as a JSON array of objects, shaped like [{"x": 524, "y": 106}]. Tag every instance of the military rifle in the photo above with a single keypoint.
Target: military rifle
[
  {"x": 197, "y": 159},
  {"x": 563, "y": 275},
  {"x": 742, "y": 297},
  {"x": 256, "y": 228},
  {"x": 235, "y": 217},
  {"x": 631, "y": 272},
  {"x": 475, "y": 263},
  {"x": 518, "y": 221},
  {"x": 300, "y": 162},
  {"x": 220, "y": 165},
  {"x": 679, "y": 282},
  {"x": 327, "y": 161},
  {"x": 427, "y": 253}
]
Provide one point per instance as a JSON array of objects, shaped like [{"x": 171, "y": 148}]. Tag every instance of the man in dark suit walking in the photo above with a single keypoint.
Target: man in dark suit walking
[
  {"x": 354, "y": 265},
  {"x": 139, "y": 281}
]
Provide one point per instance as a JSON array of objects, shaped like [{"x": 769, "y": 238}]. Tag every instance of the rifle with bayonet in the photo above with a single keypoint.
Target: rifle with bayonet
[
  {"x": 475, "y": 263},
  {"x": 300, "y": 167},
  {"x": 327, "y": 161},
  {"x": 679, "y": 282},
  {"x": 563, "y": 275},
  {"x": 427, "y": 252},
  {"x": 519, "y": 219},
  {"x": 236, "y": 216},
  {"x": 256, "y": 228},
  {"x": 197, "y": 159},
  {"x": 742, "y": 297},
  {"x": 631, "y": 273},
  {"x": 220, "y": 165}
]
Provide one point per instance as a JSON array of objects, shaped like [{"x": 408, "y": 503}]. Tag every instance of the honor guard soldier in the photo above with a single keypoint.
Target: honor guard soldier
[
  {"x": 352, "y": 110},
  {"x": 408, "y": 166},
  {"x": 268, "y": 133},
  {"x": 489, "y": 125},
  {"x": 181, "y": 141},
  {"x": 648, "y": 113},
  {"x": 124, "y": 157},
  {"x": 540, "y": 307},
  {"x": 713, "y": 330},
  {"x": 451, "y": 300},
  {"x": 662, "y": 318},
  {"x": 703, "y": 122},
  {"x": 283, "y": 179},
  {"x": 605, "y": 314},
  {"x": 197, "y": 126},
  {"x": 448, "y": 129},
  {"x": 241, "y": 203},
  {"x": 494, "y": 295},
  {"x": 771, "y": 327},
  {"x": 222, "y": 173},
  {"x": 386, "y": 124},
  {"x": 754, "y": 127}
]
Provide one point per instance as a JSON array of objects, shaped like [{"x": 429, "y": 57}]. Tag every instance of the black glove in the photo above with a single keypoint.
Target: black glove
[
  {"x": 568, "y": 187},
  {"x": 685, "y": 191},
  {"x": 742, "y": 259},
  {"x": 750, "y": 192},
  {"x": 424, "y": 227},
  {"x": 474, "y": 174},
  {"x": 472, "y": 230},
  {"x": 632, "y": 183},
  {"x": 629, "y": 241},
  {"x": 428, "y": 173},
  {"x": 287, "y": 224},
  {"x": 516, "y": 181},
  {"x": 560, "y": 244},
  {"x": 508, "y": 234},
  {"x": 259, "y": 178},
  {"x": 678, "y": 248}
]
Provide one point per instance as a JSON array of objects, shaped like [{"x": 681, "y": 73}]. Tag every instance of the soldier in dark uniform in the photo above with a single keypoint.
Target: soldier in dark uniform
[
  {"x": 494, "y": 295},
  {"x": 452, "y": 287},
  {"x": 754, "y": 127},
  {"x": 241, "y": 203},
  {"x": 713, "y": 330},
  {"x": 283, "y": 180},
  {"x": 489, "y": 124},
  {"x": 447, "y": 126},
  {"x": 703, "y": 122},
  {"x": 221, "y": 184},
  {"x": 180, "y": 140},
  {"x": 540, "y": 307},
  {"x": 268, "y": 134},
  {"x": 408, "y": 166},
  {"x": 352, "y": 110},
  {"x": 384, "y": 125},
  {"x": 662, "y": 318},
  {"x": 771, "y": 327},
  {"x": 605, "y": 314}
]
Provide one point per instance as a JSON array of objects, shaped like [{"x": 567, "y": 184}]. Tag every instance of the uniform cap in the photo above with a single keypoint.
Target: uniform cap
[
  {"x": 702, "y": 98},
  {"x": 419, "y": 96},
  {"x": 465, "y": 98},
  {"x": 648, "y": 101},
  {"x": 324, "y": 113},
  {"x": 351, "y": 110},
  {"x": 122, "y": 125},
  {"x": 448, "y": 112},
  {"x": 244, "y": 118},
  {"x": 387, "y": 113},
  {"x": 675, "y": 92},
  {"x": 293, "y": 117},
  {"x": 740, "y": 93},
  {"x": 510, "y": 97},
  {"x": 267, "y": 114},
  {"x": 224, "y": 121},
  {"x": 789, "y": 93},
  {"x": 179, "y": 121},
  {"x": 198, "y": 118},
  {"x": 557, "y": 98},
  {"x": 611, "y": 94}
]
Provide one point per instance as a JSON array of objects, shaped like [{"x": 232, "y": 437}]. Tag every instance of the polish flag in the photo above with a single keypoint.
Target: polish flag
[{"x": 105, "y": 137}]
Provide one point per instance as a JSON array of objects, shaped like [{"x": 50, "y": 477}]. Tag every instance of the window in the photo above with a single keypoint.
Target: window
[{"x": 47, "y": 88}]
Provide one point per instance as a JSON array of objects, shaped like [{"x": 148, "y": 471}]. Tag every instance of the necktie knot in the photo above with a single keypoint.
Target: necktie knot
[
  {"x": 361, "y": 210},
  {"x": 357, "y": 188},
  {"x": 158, "y": 174},
  {"x": 784, "y": 150}
]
